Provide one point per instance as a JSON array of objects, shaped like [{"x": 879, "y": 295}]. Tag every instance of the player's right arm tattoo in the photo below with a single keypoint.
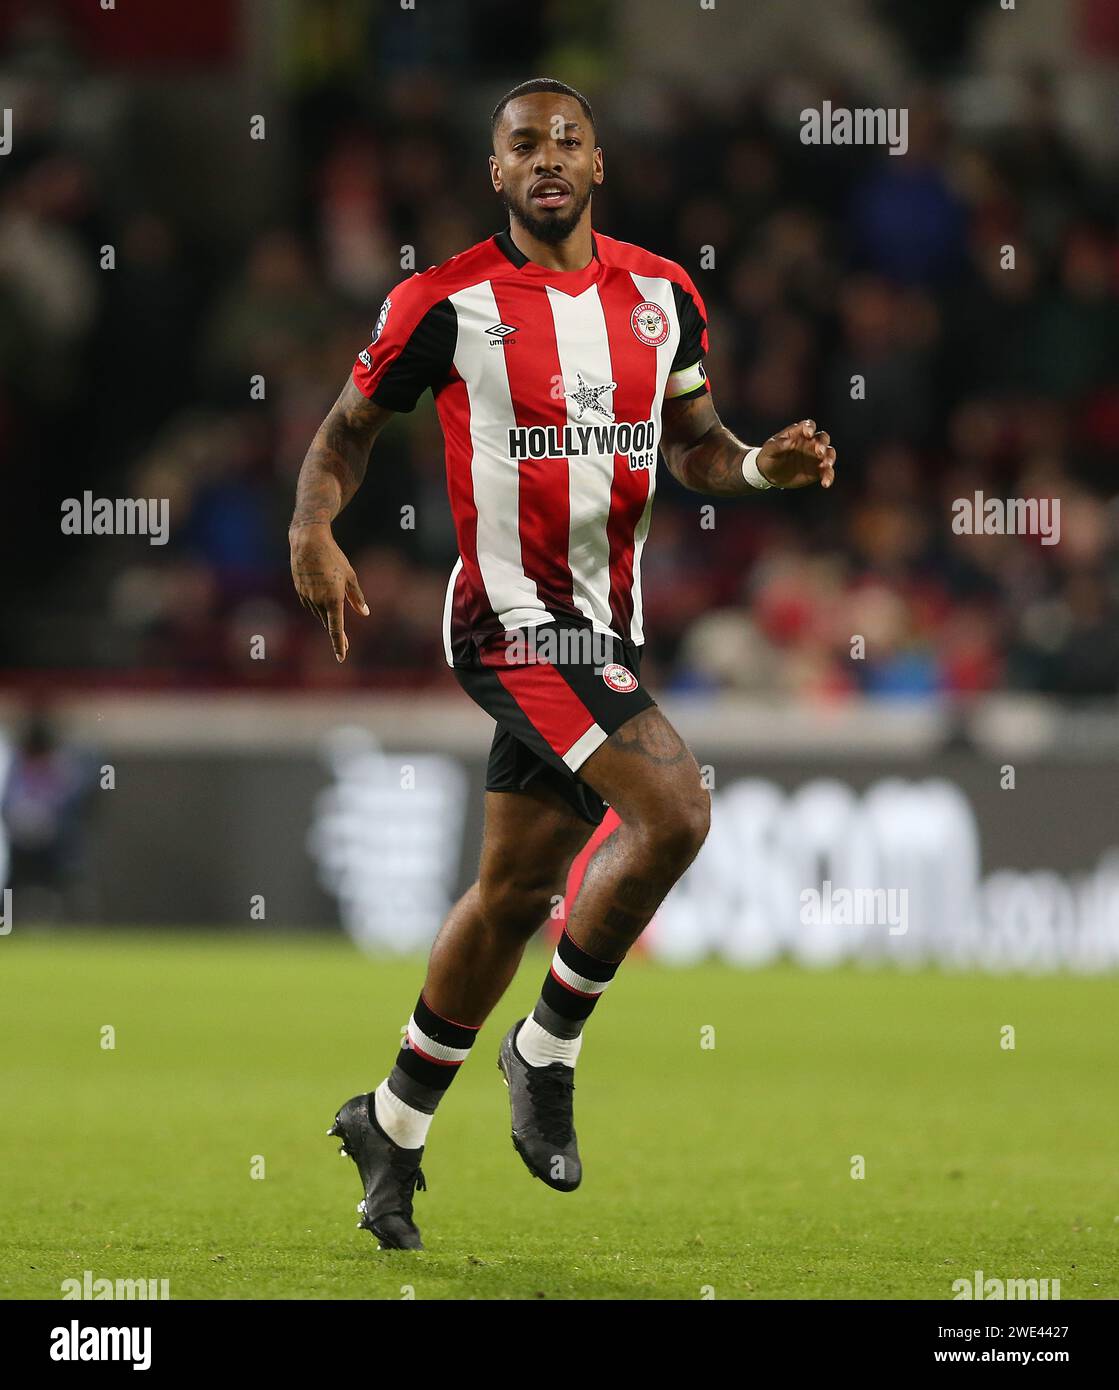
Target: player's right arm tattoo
[
  {"x": 332, "y": 472},
  {"x": 336, "y": 461}
]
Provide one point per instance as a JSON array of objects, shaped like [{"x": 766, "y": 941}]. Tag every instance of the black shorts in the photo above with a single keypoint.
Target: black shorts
[{"x": 557, "y": 692}]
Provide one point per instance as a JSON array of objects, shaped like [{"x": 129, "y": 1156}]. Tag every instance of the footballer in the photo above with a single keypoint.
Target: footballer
[{"x": 561, "y": 363}]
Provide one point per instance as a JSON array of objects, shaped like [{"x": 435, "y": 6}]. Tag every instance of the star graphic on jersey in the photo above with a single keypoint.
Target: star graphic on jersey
[{"x": 587, "y": 397}]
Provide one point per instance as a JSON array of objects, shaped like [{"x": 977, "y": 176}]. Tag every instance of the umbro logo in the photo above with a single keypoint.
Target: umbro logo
[{"x": 498, "y": 333}]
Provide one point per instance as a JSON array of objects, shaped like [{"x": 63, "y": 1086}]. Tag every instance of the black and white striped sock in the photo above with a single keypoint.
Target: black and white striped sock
[
  {"x": 427, "y": 1063},
  {"x": 573, "y": 986}
]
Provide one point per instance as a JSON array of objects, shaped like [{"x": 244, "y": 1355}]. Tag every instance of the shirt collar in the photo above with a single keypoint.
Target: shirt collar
[{"x": 508, "y": 247}]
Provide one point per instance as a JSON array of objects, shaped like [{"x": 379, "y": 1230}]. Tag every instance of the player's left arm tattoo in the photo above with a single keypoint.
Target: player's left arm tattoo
[
  {"x": 706, "y": 457},
  {"x": 700, "y": 451}
]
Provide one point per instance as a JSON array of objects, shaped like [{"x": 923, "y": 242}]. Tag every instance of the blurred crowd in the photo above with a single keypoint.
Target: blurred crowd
[{"x": 979, "y": 372}]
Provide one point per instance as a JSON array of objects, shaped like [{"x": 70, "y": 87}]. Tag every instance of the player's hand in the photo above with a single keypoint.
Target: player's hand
[
  {"x": 798, "y": 456},
  {"x": 324, "y": 580}
]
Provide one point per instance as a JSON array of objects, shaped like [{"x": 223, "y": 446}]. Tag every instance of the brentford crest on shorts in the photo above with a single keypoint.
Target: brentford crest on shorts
[
  {"x": 619, "y": 678},
  {"x": 551, "y": 430}
]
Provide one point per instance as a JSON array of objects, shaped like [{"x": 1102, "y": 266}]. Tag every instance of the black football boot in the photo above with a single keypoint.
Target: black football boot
[
  {"x": 540, "y": 1099},
  {"x": 390, "y": 1175}
]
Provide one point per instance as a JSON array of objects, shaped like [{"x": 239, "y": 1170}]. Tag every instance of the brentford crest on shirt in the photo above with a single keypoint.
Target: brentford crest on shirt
[
  {"x": 619, "y": 678},
  {"x": 650, "y": 323}
]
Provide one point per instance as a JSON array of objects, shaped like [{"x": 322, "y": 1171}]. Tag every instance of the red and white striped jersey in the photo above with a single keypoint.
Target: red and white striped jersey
[{"x": 549, "y": 387}]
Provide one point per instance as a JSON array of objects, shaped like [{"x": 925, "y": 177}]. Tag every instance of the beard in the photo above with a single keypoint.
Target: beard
[{"x": 549, "y": 227}]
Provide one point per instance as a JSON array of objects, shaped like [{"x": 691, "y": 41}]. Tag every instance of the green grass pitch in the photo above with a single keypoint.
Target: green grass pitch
[{"x": 724, "y": 1168}]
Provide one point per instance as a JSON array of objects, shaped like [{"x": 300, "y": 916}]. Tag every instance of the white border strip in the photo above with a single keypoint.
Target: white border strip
[{"x": 584, "y": 746}]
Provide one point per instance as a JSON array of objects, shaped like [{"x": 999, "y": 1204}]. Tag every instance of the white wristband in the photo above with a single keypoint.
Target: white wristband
[{"x": 752, "y": 473}]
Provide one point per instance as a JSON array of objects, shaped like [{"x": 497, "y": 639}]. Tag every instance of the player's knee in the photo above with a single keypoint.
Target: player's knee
[
  {"x": 694, "y": 823},
  {"x": 674, "y": 837},
  {"x": 515, "y": 907}
]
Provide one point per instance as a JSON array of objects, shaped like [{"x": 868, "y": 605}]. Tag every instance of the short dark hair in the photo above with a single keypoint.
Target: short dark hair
[{"x": 540, "y": 84}]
